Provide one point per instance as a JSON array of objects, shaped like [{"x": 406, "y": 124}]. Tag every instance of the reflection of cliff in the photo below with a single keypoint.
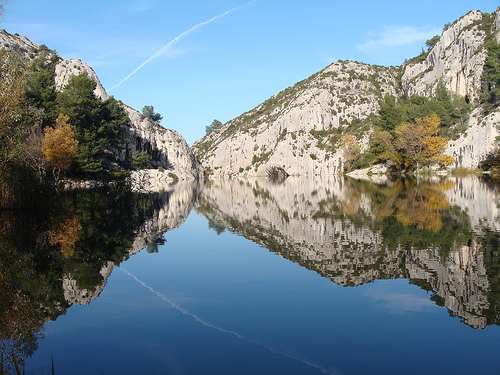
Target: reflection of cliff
[
  {"x": 354, "y": 233},
  {"x": 161, "y": 212},
  {"x": 479, "y": 200},
  {"x": 459, "y": 282},
  {"x": 63, "y": 253},
  {"x": 171, "y": 208}
]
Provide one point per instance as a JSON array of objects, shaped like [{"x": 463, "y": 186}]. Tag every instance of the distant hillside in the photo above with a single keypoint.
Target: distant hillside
[{"x": 299, "y": 129}]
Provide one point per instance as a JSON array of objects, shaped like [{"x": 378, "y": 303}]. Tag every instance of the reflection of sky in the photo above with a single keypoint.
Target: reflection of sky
[
  {"x": 394, "y": 302},
  {"x": 259, "y": 313}
]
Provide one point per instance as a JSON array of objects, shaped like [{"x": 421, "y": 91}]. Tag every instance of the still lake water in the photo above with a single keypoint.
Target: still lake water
[{"x": 326, "y": 276}]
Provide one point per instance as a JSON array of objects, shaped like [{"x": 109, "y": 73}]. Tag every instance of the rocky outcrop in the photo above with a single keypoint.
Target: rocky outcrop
[
  {"x": 457, "y": 60},
  {"x": 168, "y": 148},
  {"x": 65, "y": 69},
  {"x": 16, "y": 42},
  {"x": 299, "y": 128}
]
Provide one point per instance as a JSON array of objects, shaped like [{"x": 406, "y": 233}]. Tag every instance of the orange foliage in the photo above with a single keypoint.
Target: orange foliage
[
  {"x": 422, "y": 207},
  {"x": 350, "y": 149},
  {"x": 64, "y": 232},
  {"x": 59, "y": 145},
  {"x": 420, "y": 143}
]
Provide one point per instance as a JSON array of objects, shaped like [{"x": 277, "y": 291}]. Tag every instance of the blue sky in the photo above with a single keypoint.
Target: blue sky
[{"x": 245, "y": 53}]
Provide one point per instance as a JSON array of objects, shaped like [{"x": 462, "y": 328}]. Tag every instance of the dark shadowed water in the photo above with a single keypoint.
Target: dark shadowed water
[{"x": 326, "y": 276}]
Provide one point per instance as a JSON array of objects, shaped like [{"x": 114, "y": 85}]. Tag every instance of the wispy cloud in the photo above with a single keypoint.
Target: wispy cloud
[
  {"x": 397, "y": 36},
  {"x": 170, "y": 44}
]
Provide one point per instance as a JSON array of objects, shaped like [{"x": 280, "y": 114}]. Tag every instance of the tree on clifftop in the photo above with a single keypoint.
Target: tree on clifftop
[
  {"x": 148, "y": 111},
  {"x": 216, "y": 124}
]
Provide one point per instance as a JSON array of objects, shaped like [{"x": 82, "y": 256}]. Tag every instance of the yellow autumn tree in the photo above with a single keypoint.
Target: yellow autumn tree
[
  {"x": 13, "y": 131},
  {"x": 59, "y": 144},
  {"x": 419, "y": 142},
  {"x": 350, "y": 149}
]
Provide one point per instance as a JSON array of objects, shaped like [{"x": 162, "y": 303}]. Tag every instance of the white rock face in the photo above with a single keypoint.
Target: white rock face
[
  {"x": 297, "y": 128},
  {"x": 10, "y": 40},
  {"x": 478, "y": 141},
  {"x": 65, "y": 69},
  {"x": 301, "y": 133},
  {"x": 457, "y": 60},
  {"x": 172, "y": 150}
]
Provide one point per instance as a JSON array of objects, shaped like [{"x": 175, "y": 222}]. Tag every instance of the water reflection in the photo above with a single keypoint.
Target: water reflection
[
  {"x": 63, "y": 254},
  {"x": 438, "y": 233},
  {"x": 441, "y": 234}
]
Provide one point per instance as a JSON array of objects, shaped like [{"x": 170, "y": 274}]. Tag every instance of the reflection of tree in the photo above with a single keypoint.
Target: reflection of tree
[
  {"x": 19, "y": 326},
  {"x": 152, "y": 247},
  {"x": 347, "y": 205},
  {"x": 422, "y": 206},
  {"x": 64, "y": 231},
  {"x": 216, "y": 227},
  {"x": 108, "y": 219},
  {"x": 382, "y": 197},
  {"x": 24, "y": 296},
  {"x": 39, "y": 248}
]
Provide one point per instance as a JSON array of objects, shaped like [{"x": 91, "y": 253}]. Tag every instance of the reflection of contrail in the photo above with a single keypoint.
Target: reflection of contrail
[
  {"x": 176, "y": 39},
  {"x": 284, "y": 351}
]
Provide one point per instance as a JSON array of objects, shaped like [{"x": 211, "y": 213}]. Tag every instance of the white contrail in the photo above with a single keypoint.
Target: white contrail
[
  {"x": 283, "y": 351},
  {"x": 176, "y": 39}
]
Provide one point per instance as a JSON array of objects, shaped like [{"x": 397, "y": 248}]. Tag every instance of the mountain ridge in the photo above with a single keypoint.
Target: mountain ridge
[{"x": 299, "y": 128}]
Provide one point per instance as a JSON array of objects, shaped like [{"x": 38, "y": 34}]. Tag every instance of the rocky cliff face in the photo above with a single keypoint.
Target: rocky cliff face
[
  {"x": 298, "y": 129},
  {"x": 329, "y": 225},
  {"x": 457, "y": 60},
  {"x": 168, "y": 148}
]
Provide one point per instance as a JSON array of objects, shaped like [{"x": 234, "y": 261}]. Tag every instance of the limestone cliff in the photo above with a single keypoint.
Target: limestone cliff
[
  {"x": 299, "y": 128},
  {"x": 167, "y": 147}
]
